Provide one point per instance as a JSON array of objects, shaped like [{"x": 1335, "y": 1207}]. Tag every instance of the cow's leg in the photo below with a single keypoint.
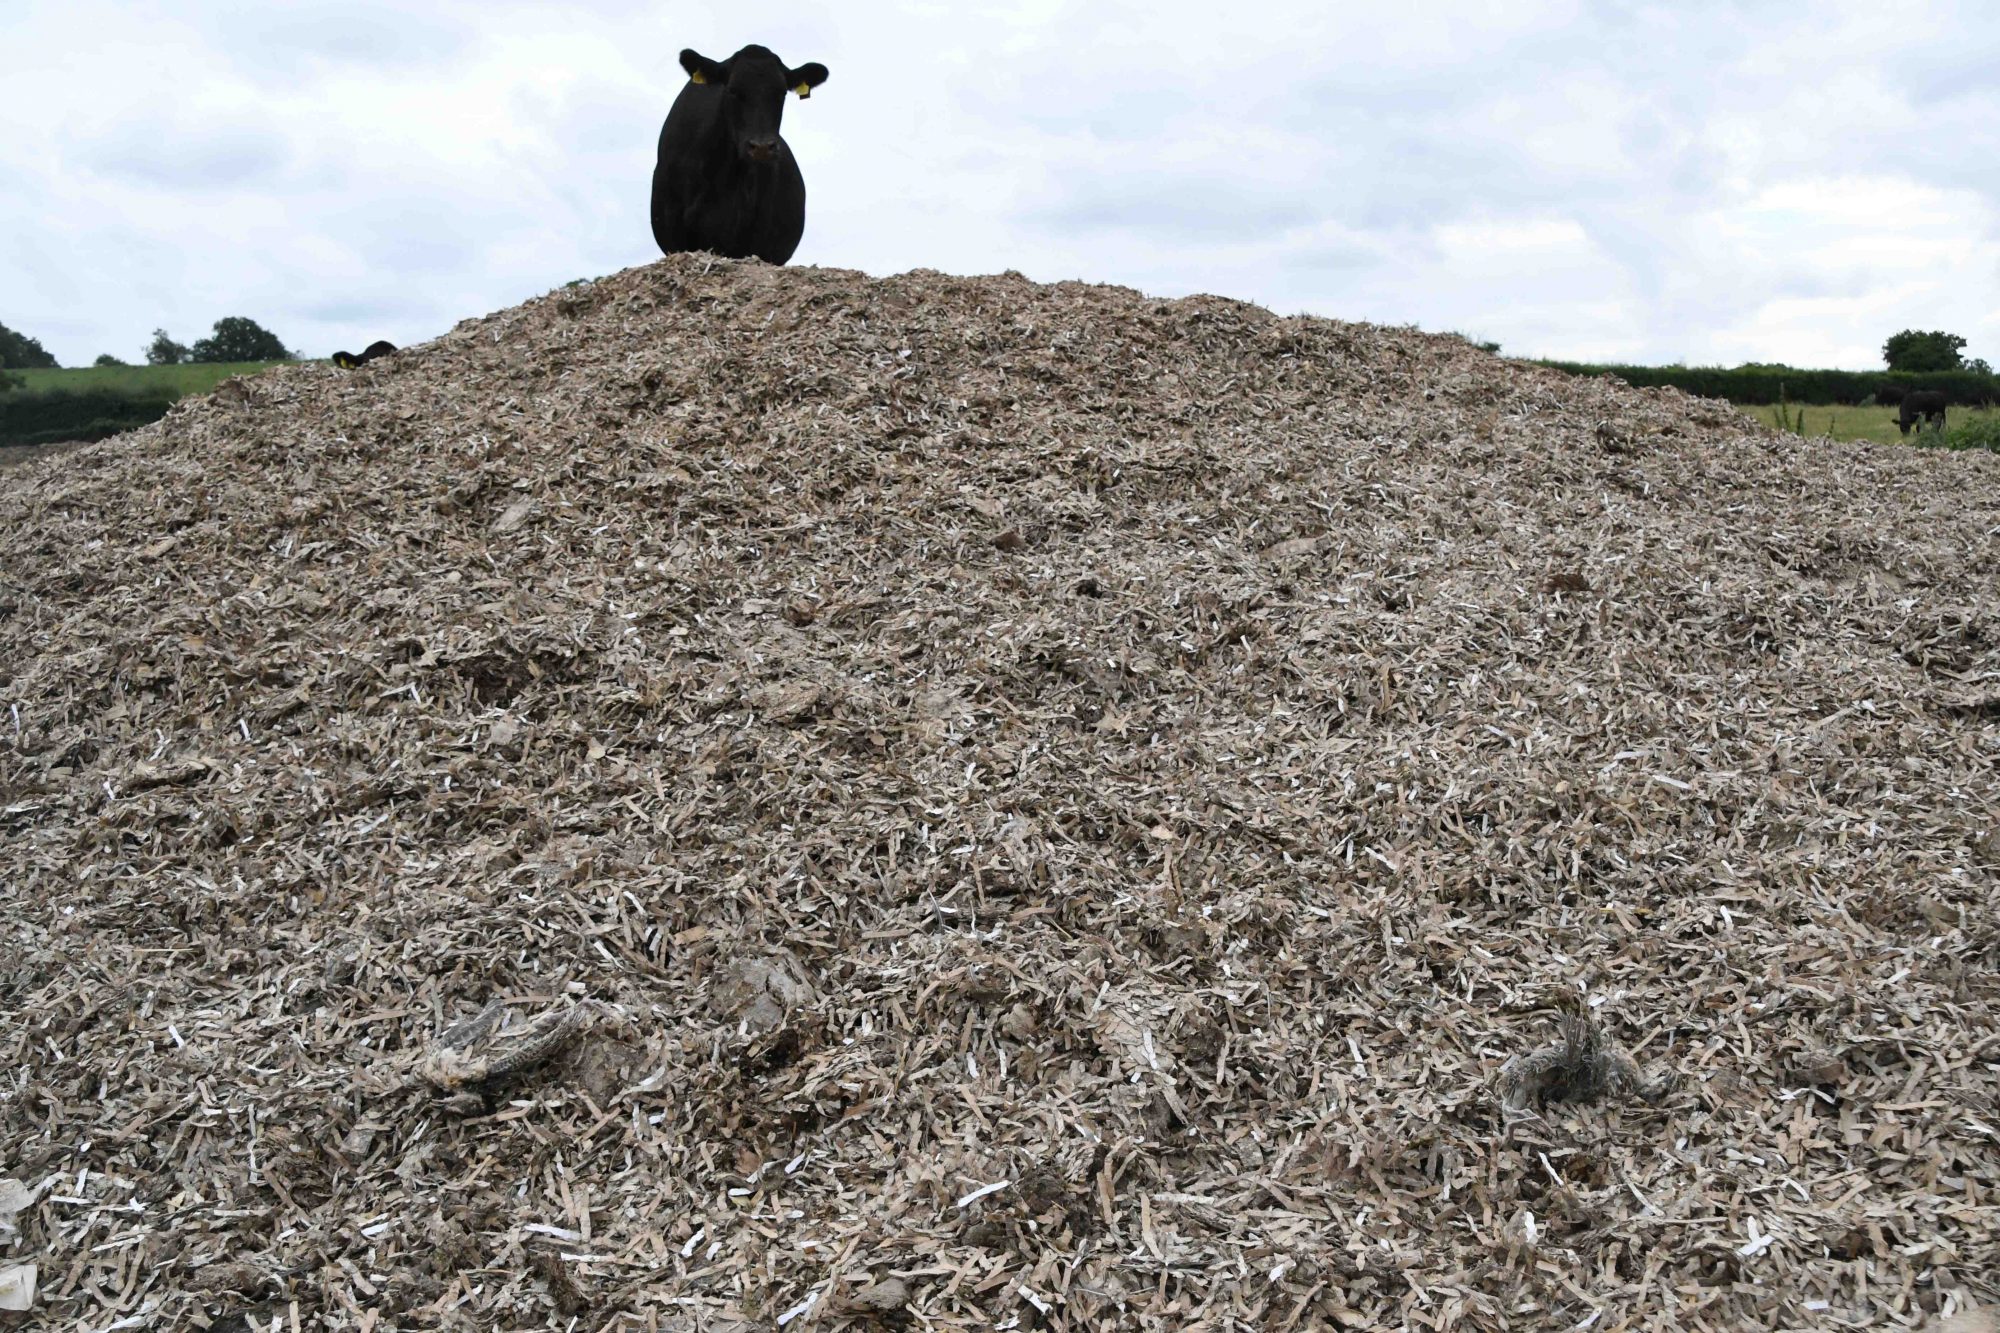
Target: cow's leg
[{"x": 669, "y": 218}]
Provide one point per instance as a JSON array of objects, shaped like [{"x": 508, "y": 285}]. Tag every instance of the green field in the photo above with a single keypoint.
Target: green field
[
  {"x": 1862, "y": 423},
  {"x": 176, "y": 380},
  {"x": 53, "y": 406}
]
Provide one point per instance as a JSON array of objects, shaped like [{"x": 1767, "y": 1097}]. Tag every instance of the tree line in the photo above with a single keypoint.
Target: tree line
[
  {"x": 1915, "y": 360},
  {"x": 235, "y": 338}
]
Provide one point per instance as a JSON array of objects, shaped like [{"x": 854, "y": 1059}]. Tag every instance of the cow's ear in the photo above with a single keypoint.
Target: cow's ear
[
  {"x": 701, "y": 69},
  {"x": 806, "y": 78}
]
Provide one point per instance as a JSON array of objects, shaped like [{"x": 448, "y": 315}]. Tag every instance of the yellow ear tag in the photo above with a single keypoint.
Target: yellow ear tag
[
  {"x": 804, "y": 91},
  {"x": 696, "y": 77}
]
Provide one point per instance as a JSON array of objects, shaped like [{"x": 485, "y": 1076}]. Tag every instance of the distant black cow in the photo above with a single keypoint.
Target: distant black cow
[
  {"x": 1890, "y": 394},
  {"x": 1926, "y": 403},
  {"x": 726, "y": 182},
  {"x": 348, "y": 360}
]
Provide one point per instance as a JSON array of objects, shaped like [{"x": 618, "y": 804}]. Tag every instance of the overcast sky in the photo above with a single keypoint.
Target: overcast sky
[{"x": 1713, "y": 182}]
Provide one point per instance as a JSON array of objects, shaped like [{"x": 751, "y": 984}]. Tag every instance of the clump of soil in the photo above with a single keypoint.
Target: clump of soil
[{"x": 966, "y": 801}]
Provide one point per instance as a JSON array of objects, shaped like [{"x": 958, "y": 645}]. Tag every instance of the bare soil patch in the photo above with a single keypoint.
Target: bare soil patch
[{"x": 735, "y": 796}]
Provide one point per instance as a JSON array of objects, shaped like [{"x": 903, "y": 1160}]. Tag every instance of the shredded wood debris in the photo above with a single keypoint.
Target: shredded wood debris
[
  {"x": 976, "y": 804},
  {"x": 479, "y": 1050},
  {"x": 879, "y": 1298},
  {"x": 1583, "y": 1067}
]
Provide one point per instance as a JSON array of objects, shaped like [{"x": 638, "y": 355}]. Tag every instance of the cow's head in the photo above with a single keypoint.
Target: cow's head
[{"x": 754, "y": 83}]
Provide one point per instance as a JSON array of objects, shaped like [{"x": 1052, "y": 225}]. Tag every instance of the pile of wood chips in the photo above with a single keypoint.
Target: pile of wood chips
[{"x": 731, "y": 797}]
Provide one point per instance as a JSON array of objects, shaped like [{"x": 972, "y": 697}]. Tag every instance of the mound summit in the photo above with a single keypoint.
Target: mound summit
[{"x": 730, "y": 795}]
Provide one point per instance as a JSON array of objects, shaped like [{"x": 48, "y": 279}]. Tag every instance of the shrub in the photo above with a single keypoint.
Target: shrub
[
  {"x": 1977, "y": 433},
  {"x": 77, "y": 414},
  {"x": 1763, "y": 385},
  {"x": 106, "y": 359}
]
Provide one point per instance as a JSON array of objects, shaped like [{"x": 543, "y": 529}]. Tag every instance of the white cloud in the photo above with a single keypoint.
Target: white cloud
[
  {"x": 1745, "y": 182},
  {"x": 1844, "y": 261}
]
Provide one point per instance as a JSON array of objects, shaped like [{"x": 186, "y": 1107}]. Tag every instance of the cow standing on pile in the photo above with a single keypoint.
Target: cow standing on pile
[{"x": 726, "y": 182}]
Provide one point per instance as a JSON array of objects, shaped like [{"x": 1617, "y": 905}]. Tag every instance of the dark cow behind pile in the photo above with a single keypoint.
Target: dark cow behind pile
[
  {"x": 726, "y": 182},
  {"x": 1928, "y": 404},
  {"x": 374, "y": 350}
]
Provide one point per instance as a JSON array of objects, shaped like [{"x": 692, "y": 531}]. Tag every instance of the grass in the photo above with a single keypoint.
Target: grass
[
  {"x": 93, "y": 402},
  {"x": 1863, "y": 423},
  {"x": 175, "y": 380}
]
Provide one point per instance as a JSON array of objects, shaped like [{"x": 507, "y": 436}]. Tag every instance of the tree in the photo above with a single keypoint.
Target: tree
[
  {"x": 240, "y": 339},
  {"x": 19, "y": 352},
  {"x": 9, "y": 380},
  {"x": 106, "y": 359},
  {"x": 164, "y": 351},
  {"x": 1977, "y": 365},
  {"x": 1914, "y": 351}
]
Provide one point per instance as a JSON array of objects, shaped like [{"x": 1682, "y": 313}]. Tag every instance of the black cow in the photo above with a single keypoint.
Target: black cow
[
  {"x": 348, "y": 360},
  {"x": 1926, "y": 403},
  {"x": 726, "y": 182},
  {"x": 1890, "y": 393}
]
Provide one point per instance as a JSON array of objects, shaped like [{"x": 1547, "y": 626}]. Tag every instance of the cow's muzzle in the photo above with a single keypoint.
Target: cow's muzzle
[{"x": 760, "y": 150}]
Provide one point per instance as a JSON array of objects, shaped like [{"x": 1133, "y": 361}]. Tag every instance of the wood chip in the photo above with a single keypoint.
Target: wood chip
[{"x": 783, "y": 751}]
